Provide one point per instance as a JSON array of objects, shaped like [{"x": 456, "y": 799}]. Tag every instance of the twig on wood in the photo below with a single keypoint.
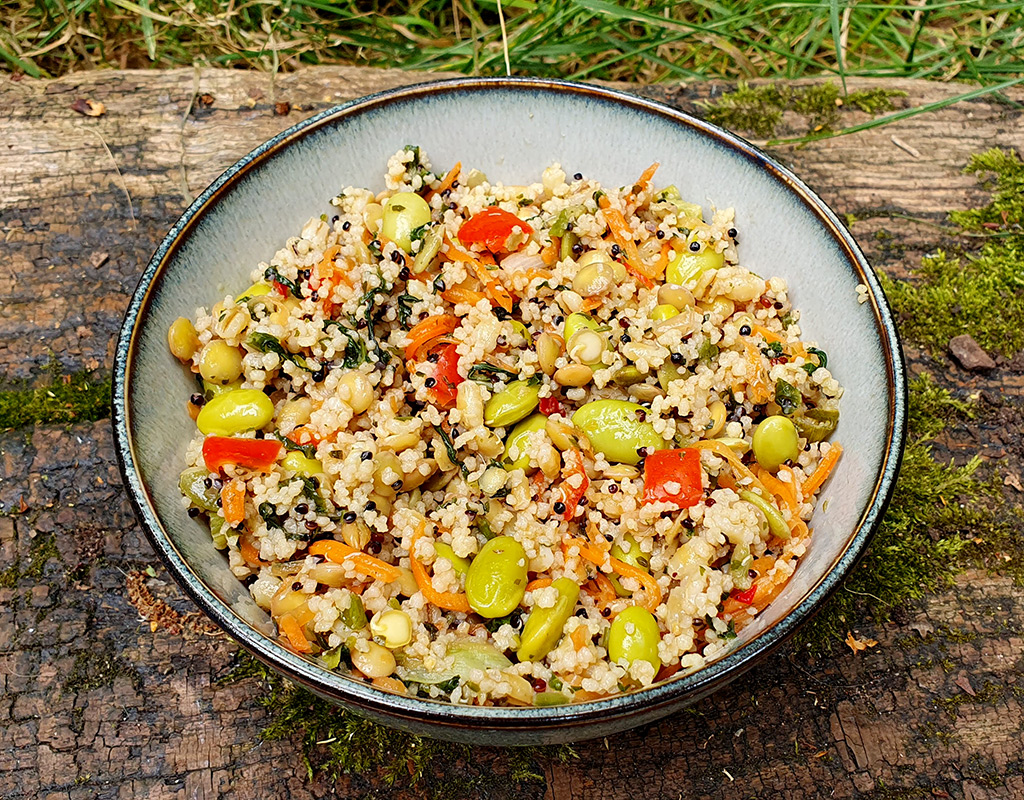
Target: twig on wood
[
  {"x": 120, "y": 177},
  {"x": 186, "y": 193}
]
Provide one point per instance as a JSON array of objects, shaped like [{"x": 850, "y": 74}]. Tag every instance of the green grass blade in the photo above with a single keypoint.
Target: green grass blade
[
  {"x": 147, "y": 31},
  {"x": 837, "y": 36}
]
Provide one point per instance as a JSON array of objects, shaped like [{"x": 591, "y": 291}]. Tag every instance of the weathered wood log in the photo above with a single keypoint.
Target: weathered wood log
[{"x": 95, "y": 705}]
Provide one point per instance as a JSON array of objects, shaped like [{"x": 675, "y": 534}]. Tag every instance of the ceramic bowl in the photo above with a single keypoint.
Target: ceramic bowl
[{"x": 511, "y": 129}]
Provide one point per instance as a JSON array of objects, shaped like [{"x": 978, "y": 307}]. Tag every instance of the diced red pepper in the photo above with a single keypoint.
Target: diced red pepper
[
  {"x": 252, "y": 453},
  {"x": 567, "y": 494},
  {"x": 280, "y": 288},
  {"x": 550, "y": 405},
  {"x": 673, "y": 476},
  {"x": 491, "y": 228},
  {"x": 446, "y": 373},
  {"x": 746, "y": 597}
]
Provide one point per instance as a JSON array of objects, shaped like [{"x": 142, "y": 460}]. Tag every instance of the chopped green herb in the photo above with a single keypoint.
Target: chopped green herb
[
  {"x": 787, "y": 396},
  {"x": 811, "y": 368},
  {"x": 308, "y": 450},
  {"x": 730, "y": 632},
  {"x": 488, "y": 373},
  {"x": 708, "y": 352},
  {"x": 449, "y": 447},
  {"x": 272, "y": 274},
  {"x": 405, "y": 304},
  {"x": 311, "y": 491},
  {"x": 270, "y": 516},
  {"x": 266, "y": 343}
]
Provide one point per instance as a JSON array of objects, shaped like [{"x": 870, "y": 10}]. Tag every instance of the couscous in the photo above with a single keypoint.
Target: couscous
[{"x": 508, "y": 444}]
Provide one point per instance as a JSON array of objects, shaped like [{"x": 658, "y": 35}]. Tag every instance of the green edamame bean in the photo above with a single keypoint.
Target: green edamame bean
[
  {"x": 211, "y": 390},
  {"x": 663, "y": 312},
  {"x": 516, "y": 441},
  {"x": 667, "y": 373},
  {"x": 775, "y": 442},
  {"x": 403, "y": 213},
  {"x": 685, "y": 266},
  {"x": 459, "y": 564},
  {"x": 616, "y": 428},
  {"x": 627, "y": 376},
  {"x": 354, "y": 616},
  {"x": 575, "y": 323},
  {"x": 634, "y": 636},
  {"x": 298, "y": 463},
  {"x": 235, "y": 411},
  {"x": 776, "y": 524},
  {"x": 630, "y": 554},
  {"x": 544, "y": 626},
  {"x": 220, "y": 363},
  {"x": 496, "y": 580},
  {"x": 542, "y": 699},
  {"x": 220, "y": 538},
  {"x": 256, "y": 290},
  {"x": 511, "y": 404},
  {"x": 191, "y": 484}
]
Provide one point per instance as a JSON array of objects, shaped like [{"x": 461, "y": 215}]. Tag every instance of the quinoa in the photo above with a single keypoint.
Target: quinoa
[{"x": 510, "y": 413}]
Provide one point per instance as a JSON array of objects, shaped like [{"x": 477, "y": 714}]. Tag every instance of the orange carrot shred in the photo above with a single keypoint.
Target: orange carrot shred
[
  {"x": 232, "y": 500},
  {"x": 624, "y": 238},
  {"x": 825, "y": 467},
  {"x": 538, "y": 583},
  {"x": 449, "y": 179},
  {"x": 427, "y": 329},
  {"x": 579, "y": 637},
  {"x": 549, "y": 253},
  {"x": 293, "y": 631},
  {"x": 364, "y": 563},
  {"x": 453, "y": 601},
  {"x": 652, "y": 592}
]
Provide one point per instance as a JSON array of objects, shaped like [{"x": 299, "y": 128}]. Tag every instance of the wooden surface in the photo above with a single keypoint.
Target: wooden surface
[{"x": 93, "y": 704}]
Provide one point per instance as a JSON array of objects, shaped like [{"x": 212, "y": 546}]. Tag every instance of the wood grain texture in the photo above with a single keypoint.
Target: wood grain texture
[{"x": 95, "y": 705}]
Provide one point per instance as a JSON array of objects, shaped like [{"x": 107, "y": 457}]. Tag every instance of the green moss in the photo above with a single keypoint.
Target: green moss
[
  {"x": 335, "y": 742},
  {"x": 41, "y": 551},
  {"x": 69, "y": 398},
  {"x": 759, "y": 109},
  {"x": 979, "y": 293},
  {"x": 93, "y": 669},
  {"x": 933, "y": 407}
]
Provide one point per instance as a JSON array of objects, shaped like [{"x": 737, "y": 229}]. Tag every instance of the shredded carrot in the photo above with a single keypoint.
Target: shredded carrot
[
  {"x": 449, "y": 179},
  {"x": 759, "y": 390},
  {"x": 723, "y": 451},
  {"x": 460, "y": 294},
  {"x": 427, "y": 329},
  {"x": 549, "y": 253},
  {"x": 290, "y": 627},
  {"x": 825, "y": 467},
  {"x": 769, "y": 336},
  {"x": 537, "y": 272},
  {"x": 247, "y": 549},
  {"x": 538, "y": 583},
  {"x": 786, "y": 492},
  {"x": 453, "y": 601},
  {"x": 605, "y": 590},
  {"x": 652, "y": 592},
  {"x": 591, "y": 303},
  {"x": 497, "y": 293},
  {"x": 662, "y": 263},
  {"x": 364, "y": 563},
  {"x": 644, "y": 181},
  {"x": 624, "y": 238},
  {"x": 579, "y": 637},
  {"x": 232, "y": 501}
]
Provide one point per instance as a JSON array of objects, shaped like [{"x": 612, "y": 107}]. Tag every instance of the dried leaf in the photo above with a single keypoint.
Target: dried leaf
[
  {"x": 964, "y": 683},
  {"x": 858, "y": 644},
  {"x": 98, "y": 259},
  {"x": 1013, "y": 479},
  {"x": 205, "y": 100},
  {"x": 90, "y": 108},
  {"x": 282, "y": 109},
  {"x": 22, "y": 505}
]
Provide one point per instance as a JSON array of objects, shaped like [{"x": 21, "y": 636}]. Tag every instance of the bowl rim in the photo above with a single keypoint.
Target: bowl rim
[{"x": 643, "y": 703}]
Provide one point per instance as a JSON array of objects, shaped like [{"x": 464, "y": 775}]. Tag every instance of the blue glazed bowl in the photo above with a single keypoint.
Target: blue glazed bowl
[{"x": 511, "y": 129}]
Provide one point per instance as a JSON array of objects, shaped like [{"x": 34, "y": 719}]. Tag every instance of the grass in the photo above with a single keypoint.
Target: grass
[
  {"x": 68, "y": 398},
  {"x": 982, "y": 42}
]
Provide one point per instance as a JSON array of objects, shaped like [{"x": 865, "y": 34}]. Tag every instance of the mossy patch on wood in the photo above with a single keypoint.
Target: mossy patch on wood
[
  {"x": 981, "y": 292},
  {"x": 42, "y": 550},
  {"x": 67, "y": 398},
  {"x": 759, "y": 109},
  {"x": 95, "y": 668}
]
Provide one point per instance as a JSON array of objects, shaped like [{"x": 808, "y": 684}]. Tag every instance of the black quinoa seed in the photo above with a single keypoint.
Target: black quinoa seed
[
  {"x": 396, "y": 257},
  {"x": 366, "y": 455},
  {"x": 320, "y": 375},
  {"x": 779, "y": 306},
  {"x": 335, "y": 218},
  {"x": 577, "y": 250},
  {"x": 433, "y": 357},
  {"x": 346, "y": 225},
  {"x": 193, "y": 512},
  {"x": 744, "y": 330},
  {"x": 695, "y": 247},
  {"x": 625, "y": 338},
  {"x": 260, "y": 435},
  {"x": 430, "y": 383},
  {"x": 455, "y": 184},
  {"x": 297, "y": 586},
  {"x": 613, "y": 488},
  {"x": 559, "y": 319},
  {"x": 677, "y": 358},
  {"x": 731, "y": 233},
  {"x": 606, "y": 612},
  {"x": 350, "y": 516},
  {"x": 361, "y": 324},
  {"x": 311, "y": 525},
  {"x": 581, "y": 613},
  {"x": 404, "y": 273},
  {"x": 616, "y": 250},
  {"x": 559, "y": 507},
  {"x": 371, "y": 506},
  {"x": 578, "y": 176},
  {"x": 623, "y": 322},
  {"x": 301, "y": 508},
  {"x": 197, "y": 399},
  {"x": 709, "y": 502},
  {"x": 660, "y": 234}
]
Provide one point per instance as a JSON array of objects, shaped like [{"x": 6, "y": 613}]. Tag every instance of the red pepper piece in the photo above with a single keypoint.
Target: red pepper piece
[
  {"x": 746, "y": 597},
  {"x": 446, "y": 373},
  {"x": 252, "y": 453},
  {"x": 680, "y": 467},
  {"x": 280, "y": 288},
  {"x": 549, "y": 406},
  {"x": 491, "y": 228},
  {"x": 567, "y": 494}
]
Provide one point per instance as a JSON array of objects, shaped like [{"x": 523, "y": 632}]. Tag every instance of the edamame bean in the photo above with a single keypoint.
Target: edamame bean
[
  {"x": 356, "y": 534},
  {"x": 459, "y": 564},
  {"x": 575, "y": 323},
  {"x": 775, "y": 442},
  {"x": 630, "y": 553},
  {"x": 298, "y": 463},
  {"x": 393, "y": 627},
  {"x": 256, "y": 290},
  {"x": 573, "y": 375},
  {"x": 356, "y": 390},
  {"x": 511, "y": 404},
  {"x": 627, "y": 376},
  {"x": 678, "y": 297},
  {"x": 182, "y": 339},
  {"x": 516, "y": 442},
  {"x": 586, "y": 347},
  {"x": 594, "y": 279},
  {"x": 220, "y": 362},
  {"x": 617, "y": 429},
  {"x": 493, "y": 481},
  {"x": 235, "y": 411},
  {"x": 667, "y": 373},
  {"x": 817, "y": 424},
  {"x": 548, "y": 350},
  {"x": 544, "y": 626},
  {"x": 634, "y": 636},
  {"x": 686, "y": 265},
  {"x": 663, "y": 312},
  {"x": 776, "y": 524},
  {"x": 403, "y": 213},
  {"x": 496, "y": 580}
]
